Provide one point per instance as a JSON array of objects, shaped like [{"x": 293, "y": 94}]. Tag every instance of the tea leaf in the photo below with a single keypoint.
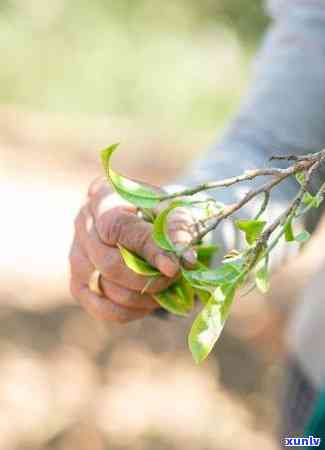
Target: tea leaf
[
  {"x": 312, "y": 200},
  {"x": 160, "y": 225},
  {"x": 226, "y": 273},
  {"x": 251, "y": 228},
  {"x": 206, "y": 252},
  {"x": 138, "y": 265},
  {"x": 301, "y": 177},
  {"x": 209, "y": 323},
  {"x": 132, "y": 191},
  {"x": 288, "y": 231},
  {"x": 203, "y": 295},
  {"x": 177, "y": 299},
  {"x": 303, "y": 236}
]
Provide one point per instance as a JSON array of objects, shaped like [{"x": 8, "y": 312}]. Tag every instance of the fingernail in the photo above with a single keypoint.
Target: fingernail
[
  {"x": 166, "y": 265},
  {"x": 190, "y": 256}
]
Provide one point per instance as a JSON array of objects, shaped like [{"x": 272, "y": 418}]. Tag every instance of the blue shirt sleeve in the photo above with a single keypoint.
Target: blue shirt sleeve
[{"x": 284, "y": 108}]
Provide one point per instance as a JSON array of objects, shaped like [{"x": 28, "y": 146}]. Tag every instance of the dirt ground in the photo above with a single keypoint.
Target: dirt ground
[{"x": 68, "y": 382}]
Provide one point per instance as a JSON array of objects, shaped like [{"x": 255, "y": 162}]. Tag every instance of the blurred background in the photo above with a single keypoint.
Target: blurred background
[{"x": 162, "y": 78}]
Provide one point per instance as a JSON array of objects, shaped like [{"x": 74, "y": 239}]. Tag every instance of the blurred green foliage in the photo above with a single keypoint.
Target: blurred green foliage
[
  {"x": 183, "y": 62},
  {"x": 246, "y": 18}
]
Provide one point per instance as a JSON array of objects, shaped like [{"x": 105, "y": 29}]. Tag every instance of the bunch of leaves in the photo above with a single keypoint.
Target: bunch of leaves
[{"x": 214, "y": 287}]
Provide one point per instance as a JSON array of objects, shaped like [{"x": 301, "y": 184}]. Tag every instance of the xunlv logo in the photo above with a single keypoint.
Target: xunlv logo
[{"x": 309, "y": 441}]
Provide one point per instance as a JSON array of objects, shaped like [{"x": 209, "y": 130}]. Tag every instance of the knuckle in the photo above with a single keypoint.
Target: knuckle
[
  {"x": 106, "y": 268},
  {"x": 180, "y": 225},
  {"x": 73, "y": 258},
  {"x": 124, "y": 228},
  {"x": 74, "y": 289},
  {"x": 77, "y": 220},
  {"x": 80, "y": 217},
  {"x": 110, "y": 266},
  {"x": 95, "y": 186},
  {"x": 102, "y": 226},
  {"x": 145, "y": 242},
  {"x": 114, "y": 231},
  {"x": 74, "y": 253},
  {"x": 109, "y": 223},
  {"x": 180, "y": 237}
]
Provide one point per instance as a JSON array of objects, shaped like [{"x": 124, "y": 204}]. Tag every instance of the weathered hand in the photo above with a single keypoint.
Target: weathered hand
[{"x": 102, "y": 223}]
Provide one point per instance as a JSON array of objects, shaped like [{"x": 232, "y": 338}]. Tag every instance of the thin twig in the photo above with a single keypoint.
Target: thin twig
[
  {"x": 250, "y": 195},
  {"x": 292, "y": 208},
  {"x": 304, "y": 163},
  {"x": 284, "y": 158},
  {"x": 309, "y": 156},
  {"x": 263, "y": 207},
  {"x": 227, "y": 182}
]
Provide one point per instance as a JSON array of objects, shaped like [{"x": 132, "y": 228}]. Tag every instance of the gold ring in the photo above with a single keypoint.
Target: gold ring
[{"x": 94, "y": 283}]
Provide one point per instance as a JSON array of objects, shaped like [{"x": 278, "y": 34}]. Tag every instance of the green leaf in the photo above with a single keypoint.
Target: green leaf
[
  {"x": 288, "y": 231},
  {"x": 203, "y": 295},
  {"x": 303, "y": 236},
  {"x": 251, "y": 228},
  {"x": 206, "y": 252},
  {"x": 132, "y": 191},
  {"x": 160, "y": 225},
  {"x": 177, "y": 299},
  {"x": 308, "y": 199},
  {"x": 311, "y": 200},
  {"x": 138, "y": 265},
  {"x": 301, "y": 177},
  {"x": 262, "y": 279},
  {"x": 206, "y": 287},
  {"x": 209, "y": 323},
  {"x": 226, "y": 273}
]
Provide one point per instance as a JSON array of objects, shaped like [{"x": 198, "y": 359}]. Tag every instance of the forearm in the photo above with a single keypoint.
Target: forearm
[{"x": 284, "y": 109}]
